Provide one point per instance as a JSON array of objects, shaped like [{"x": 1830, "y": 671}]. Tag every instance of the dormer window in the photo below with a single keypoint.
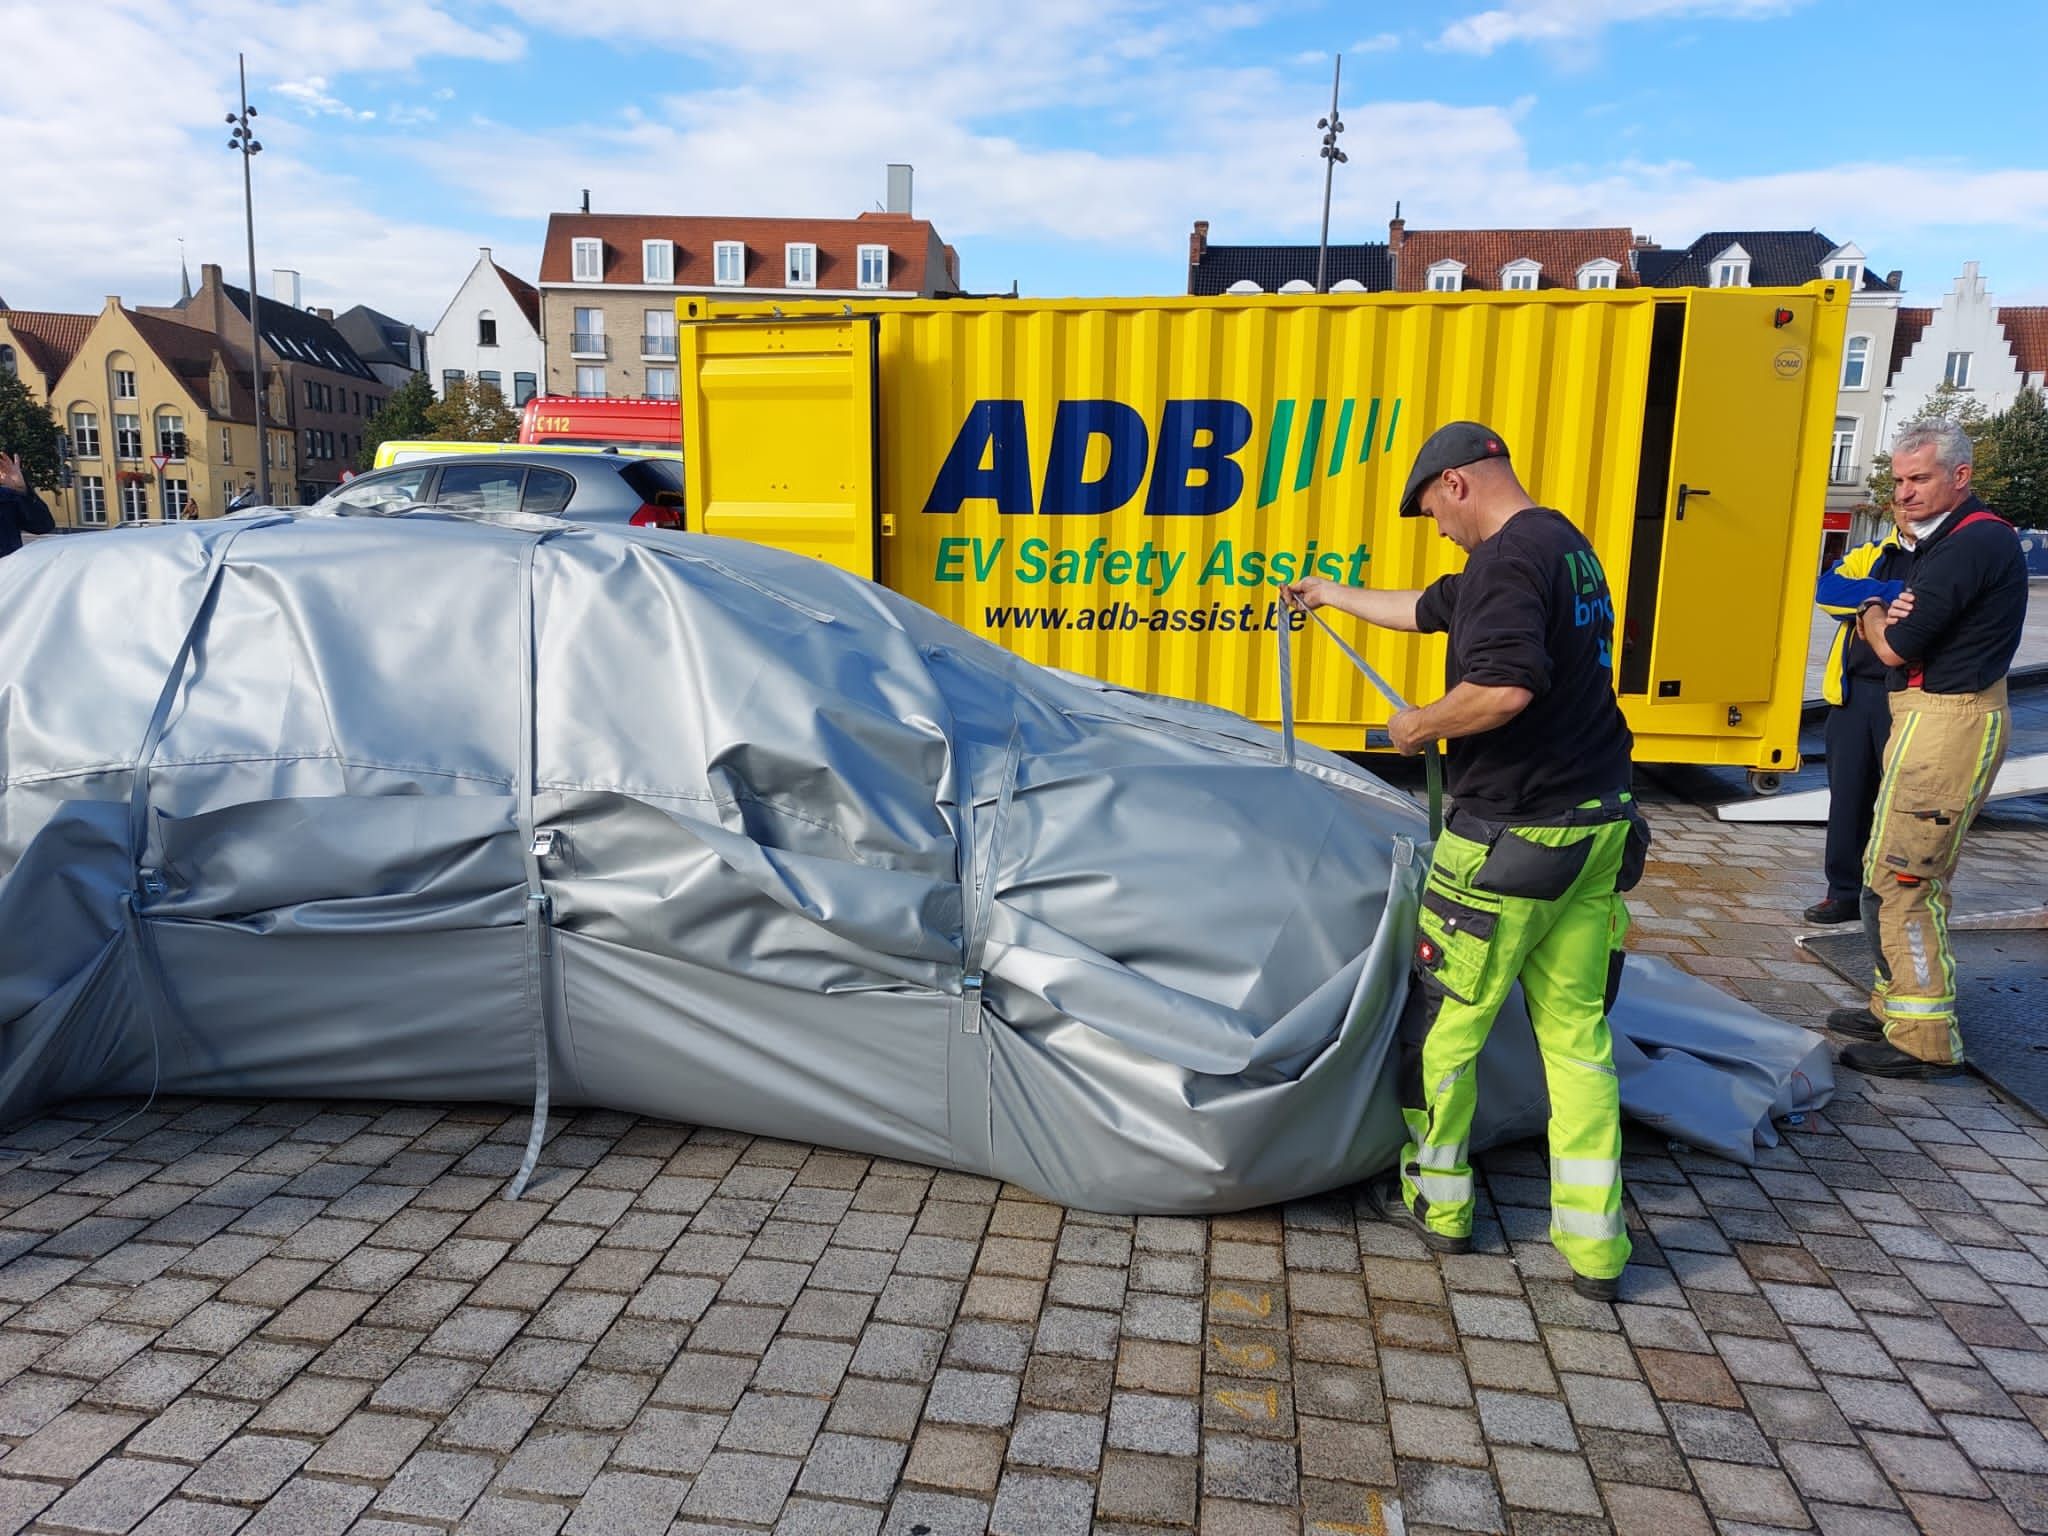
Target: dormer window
[
  {"x": 1446, "y": 276},
  {"x": 1599, "y": 273},
  {"x": 874, "y": 266},
  {"x": 1845, "y": 264},
  {"x": 729, "y": 263},
  {"x": 657, "y": 261},
  {"x": 1521, "y": 276},
  {"x": 589, "y": 260},
  {"x": 801, "y": 264},
  {"x": 1730, "y": 269}
]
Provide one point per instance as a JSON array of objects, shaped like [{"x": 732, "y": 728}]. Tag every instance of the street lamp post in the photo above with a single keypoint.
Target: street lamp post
[
  {"x": 243, "y": 139},
  {"x": 1332, "y": 158}
]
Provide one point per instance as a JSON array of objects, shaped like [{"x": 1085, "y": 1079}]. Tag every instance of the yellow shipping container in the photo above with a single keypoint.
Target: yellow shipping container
[{"x": 1119, "y": 487}]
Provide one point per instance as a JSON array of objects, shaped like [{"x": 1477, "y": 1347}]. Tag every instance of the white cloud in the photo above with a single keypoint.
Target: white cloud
[
  {"x": 1382, "y": 42},
  {"x": 311, "y": 97},
  {"x": 1574, "y": 21}
]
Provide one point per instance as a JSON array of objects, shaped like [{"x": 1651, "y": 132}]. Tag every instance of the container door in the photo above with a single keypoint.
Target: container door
[
  {"x": 1729, "y": 515},
  {"x": 779, "y": 440}
]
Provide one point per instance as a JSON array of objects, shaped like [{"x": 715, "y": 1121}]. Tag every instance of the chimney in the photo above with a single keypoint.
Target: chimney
[
  {"x": 1198, "y": 243},
  {"x": 325, "y": 314},
  {"x": 899, "y": 190},
  {"x": 1895, "y": 278},
  {"x": 1643, "y": 243},
  {"x": 1397, "y": 236},
  {"x": 284, "y": 287},
  {"x": 586, "y": 199},
  {"x": 209, "y": 274}
]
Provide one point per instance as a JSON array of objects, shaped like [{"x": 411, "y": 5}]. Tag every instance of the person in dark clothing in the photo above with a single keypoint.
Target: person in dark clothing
[
  {"x": 1949, "y": 640},
  {"x": 1855, "y": 685},
  {"x": 21, "y": 509},
  {"x": 1526, "y": 882}
]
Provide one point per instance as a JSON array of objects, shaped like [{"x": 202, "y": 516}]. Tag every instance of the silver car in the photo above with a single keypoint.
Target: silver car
[{"x": 576, "y": 487}]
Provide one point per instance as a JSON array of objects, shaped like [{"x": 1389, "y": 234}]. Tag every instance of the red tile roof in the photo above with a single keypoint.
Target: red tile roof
[
  {"x": 51, "y": 338},
  {"x": 916, "y": 262},
  {"x": 189, "y": 353},
  {"x": 524, "y": 294},
  {"x": 2026, "y": 327},
  {"x": 1561, "y": 252},
  {"x": 1912, "y": 326}
]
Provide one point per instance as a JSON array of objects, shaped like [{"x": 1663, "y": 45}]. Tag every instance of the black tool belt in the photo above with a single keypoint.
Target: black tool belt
[{"x": 1517, "y": 867}]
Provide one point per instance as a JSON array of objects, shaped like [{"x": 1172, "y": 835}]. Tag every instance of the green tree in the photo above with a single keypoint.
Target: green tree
[
  {"x": 2018, "y": 440},
  {"x": 1946, "y": 404},
  {"x": 402, "y": 417},
  {"x": 470, "y": 412},
  {"x": 31, "y": 431}
]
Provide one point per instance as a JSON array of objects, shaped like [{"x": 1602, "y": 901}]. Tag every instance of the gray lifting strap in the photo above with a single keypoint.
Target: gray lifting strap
[
  {"x": 540, "y": 930},
  {"x": 1433, "y": 765}
]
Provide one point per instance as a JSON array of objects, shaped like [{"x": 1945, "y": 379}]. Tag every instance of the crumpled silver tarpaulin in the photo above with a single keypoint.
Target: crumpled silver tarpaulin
[{"x": 433, "y": 808}]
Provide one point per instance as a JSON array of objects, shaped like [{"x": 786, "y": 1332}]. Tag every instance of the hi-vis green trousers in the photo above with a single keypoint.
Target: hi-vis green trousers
[{"x": 1541, "y": 904}]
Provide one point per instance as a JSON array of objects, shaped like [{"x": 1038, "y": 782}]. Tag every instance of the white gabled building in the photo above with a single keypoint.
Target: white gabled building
[{"x": 491, "y": 332}]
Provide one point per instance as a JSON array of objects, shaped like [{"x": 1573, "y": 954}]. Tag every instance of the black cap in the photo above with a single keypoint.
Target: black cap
[{"x": 1449, "y": 447}]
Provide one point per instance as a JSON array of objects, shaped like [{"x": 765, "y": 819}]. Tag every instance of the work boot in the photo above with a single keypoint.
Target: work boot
[
  {"x": 1836, "y": 909},
  {"x": 1883, "y": 1059},
  {"x": 1856, "y": 1023},
  {"x": 1593, "y": 1288},
  {"x": 1385, "y": 1197}
]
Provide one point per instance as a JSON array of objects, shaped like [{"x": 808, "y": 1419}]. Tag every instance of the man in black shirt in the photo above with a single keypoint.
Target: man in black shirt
[
  {"x": 1949, "y": 639},
  {"x": 1526, "y": 880}
]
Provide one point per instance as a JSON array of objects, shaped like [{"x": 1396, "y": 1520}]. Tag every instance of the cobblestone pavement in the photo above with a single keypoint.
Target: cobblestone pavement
[{"x": 316, "y": 1318}]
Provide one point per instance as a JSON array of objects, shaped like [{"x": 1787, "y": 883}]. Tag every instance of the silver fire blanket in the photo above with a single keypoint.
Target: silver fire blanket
[{"x": 421, "y": 807}]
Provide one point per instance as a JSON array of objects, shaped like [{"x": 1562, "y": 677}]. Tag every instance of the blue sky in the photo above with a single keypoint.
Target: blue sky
[{"x": 1067, "y": 144}]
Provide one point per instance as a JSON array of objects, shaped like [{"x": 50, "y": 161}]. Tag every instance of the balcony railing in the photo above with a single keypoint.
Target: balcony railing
[
  {"x": 657, "y": 346},
  {"x": 587, "y": 343},
  {"x": 1846, "y": 472}
]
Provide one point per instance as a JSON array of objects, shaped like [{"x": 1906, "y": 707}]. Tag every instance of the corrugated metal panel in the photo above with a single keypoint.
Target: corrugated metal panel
[
  {"x": 1338, "y": 398},
  {"x": 1026, "y": 441}
]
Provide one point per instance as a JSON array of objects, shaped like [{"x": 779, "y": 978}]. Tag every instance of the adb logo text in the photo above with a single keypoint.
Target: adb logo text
[{"x": 1196, "y": 455}]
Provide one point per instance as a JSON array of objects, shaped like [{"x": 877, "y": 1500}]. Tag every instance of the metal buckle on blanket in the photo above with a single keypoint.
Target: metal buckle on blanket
[
  {"x": 152, "y": 882},
  {"x": 970, "y": 1002}
]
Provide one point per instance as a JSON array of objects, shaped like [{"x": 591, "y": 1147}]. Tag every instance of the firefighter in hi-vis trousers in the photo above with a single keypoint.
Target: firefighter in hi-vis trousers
[
  {"x": 1949, "y": 639},
  {"x": 1543, "y": 838}
]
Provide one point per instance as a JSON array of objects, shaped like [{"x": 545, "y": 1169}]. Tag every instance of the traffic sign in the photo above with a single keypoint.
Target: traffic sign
[{"x": 159, "y": 460}]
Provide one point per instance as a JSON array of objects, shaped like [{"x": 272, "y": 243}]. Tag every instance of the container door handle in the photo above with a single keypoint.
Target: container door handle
[{"x": 1684, "y": 491}]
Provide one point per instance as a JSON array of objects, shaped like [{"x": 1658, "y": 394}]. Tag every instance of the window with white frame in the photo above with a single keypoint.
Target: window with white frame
[
  {"x": 1957, "y": 370},
  {"x": 658, "y": 333},
  {"x": 1446, "y": 276},
  {"x": 661, "y": 383},
  {"x": 1520, "y": 276},
  {"x": 177, "y": 496},
  {"x": 92, "y": 501},
  {"x": 1600, "y": 273},
  {"x": 1730, "y": 269},
  {"x": 127, "y": 437},
  {"x": 1856, "y": 363},
  {"x": 524, "y": 387},
  {"x": 657, "y": 261},
  {"x": 589, "y": 260},
  {"x": 1850, "y": 272},
  {"x": 170, "y": 434},
  {"x": 586, "y": 335},
  {"x": 85, "y": 434},
  {"x": 800, "y": 264},
  {"x": 1842, "y": 467},
  {"x": 729, "y": 263},
  {"x": 227, "y": 446},
  {"x": 124, "y": 383},
  {"x": 590, "y": 383},
  {"x": 134, "y": 501},
  {"x": 874, "y": 266},
  {"x": 494, "y": 379}
]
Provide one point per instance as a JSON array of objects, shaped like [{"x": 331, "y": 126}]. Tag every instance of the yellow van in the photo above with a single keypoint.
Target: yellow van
[
  {"x": 1120, "y": 486},
  {"x": 405, "y": 450}
]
